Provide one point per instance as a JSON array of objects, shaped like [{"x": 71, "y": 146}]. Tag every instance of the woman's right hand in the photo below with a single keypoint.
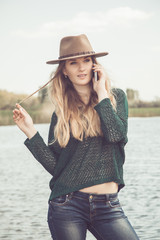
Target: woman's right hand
[{"x": 24, "y": 121}]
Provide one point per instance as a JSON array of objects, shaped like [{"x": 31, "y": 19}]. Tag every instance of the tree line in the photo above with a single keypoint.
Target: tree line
[
  {"x": 134, "y": 100},
  {"x": 9, "y": 99},
  {"x": 40, "y": 107}
]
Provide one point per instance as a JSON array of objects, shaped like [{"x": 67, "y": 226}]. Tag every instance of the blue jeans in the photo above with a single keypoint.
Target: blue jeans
[{"x": 70, "y": 216}]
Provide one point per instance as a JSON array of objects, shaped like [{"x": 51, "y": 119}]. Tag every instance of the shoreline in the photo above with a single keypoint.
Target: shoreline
[{"x": 144, "y": 112}]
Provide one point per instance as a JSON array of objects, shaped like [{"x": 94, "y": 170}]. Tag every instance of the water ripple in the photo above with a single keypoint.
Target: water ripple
[{"x": 24, "y": 184}]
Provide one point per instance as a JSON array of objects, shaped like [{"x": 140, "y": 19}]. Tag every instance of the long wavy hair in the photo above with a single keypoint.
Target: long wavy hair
[{"x": 74, "y": 117}]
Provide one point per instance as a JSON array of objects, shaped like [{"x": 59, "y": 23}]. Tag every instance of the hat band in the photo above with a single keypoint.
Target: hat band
[{"x": 76, "y": 54}]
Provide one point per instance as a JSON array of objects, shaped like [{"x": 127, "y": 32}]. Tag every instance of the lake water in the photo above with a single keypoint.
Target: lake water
[{"x": 24, "y": 187}]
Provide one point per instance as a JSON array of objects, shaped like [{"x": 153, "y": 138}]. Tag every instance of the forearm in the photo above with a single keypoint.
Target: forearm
[
  {"x": 102, "y": 94},
  {"x": 41, "y": 152},
  {"x": 30, "y": 132}
]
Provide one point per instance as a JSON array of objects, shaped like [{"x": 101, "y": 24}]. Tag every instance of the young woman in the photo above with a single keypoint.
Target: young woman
[{"x": 85, "y": 152}]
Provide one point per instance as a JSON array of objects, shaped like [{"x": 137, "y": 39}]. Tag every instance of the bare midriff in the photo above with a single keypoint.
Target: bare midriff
[{"x": 104, "y": 188}]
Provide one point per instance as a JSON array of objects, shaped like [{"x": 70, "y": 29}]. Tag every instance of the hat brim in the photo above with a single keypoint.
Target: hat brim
[{"x": 101, "y": 54}]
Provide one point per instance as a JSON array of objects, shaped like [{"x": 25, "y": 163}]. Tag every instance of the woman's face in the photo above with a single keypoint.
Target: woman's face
[{"x": 79, "y": 71}]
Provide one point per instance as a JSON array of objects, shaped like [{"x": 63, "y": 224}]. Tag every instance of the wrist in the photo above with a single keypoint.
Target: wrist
[
  {"x": 102, "y": 95},
  {"x": 30, "y": 132}
]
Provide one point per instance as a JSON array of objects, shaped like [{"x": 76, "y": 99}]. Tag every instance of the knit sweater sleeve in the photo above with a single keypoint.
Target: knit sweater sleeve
[
  {"x": 114, "y": 124},
  {"x": 43, "y": 153}
]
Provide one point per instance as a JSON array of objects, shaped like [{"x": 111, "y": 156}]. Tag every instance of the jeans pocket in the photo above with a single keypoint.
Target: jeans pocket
[
  {"x": 113, "y": 203},
  {"x": 60, "y": 201}
]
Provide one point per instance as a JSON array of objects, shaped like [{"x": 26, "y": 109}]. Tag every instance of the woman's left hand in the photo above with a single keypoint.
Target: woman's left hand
[{"x": 101, "y": 86}]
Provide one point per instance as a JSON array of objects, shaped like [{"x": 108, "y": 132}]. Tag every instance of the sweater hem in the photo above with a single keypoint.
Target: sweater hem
[{"x": 79, "y": 187}]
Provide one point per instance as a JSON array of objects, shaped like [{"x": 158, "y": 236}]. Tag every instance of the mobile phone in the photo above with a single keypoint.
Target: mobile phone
[{"x": 95, "y": 77}]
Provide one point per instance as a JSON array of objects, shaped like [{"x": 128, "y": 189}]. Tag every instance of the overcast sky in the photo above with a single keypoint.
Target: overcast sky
[{"x": 30, "y": 32}]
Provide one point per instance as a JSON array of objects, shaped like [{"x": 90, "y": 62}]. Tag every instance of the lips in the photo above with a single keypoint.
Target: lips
[{"x": 82, "y": 75}]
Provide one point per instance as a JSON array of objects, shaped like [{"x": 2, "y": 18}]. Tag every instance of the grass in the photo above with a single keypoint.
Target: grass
[
  {"x": 37, "y": 116},
  {"x": 5, "y": 117},
  {"x": 144, "y": 112}
]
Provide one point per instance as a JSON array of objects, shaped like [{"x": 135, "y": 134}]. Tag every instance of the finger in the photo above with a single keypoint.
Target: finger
[
  {"x": 97, "y": 66},
  {"x": 97, "y": 69},
  {"x": 20, "y": 107},
  {"x": 16, "y": 112},
  {"x": 16, "y": 118},
  {"x": 17, "y": 115}
]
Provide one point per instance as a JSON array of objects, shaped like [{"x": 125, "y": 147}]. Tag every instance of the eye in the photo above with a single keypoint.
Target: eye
[
  {"x": 72, "y": 63},
  {"x": 87, "y": 60}
]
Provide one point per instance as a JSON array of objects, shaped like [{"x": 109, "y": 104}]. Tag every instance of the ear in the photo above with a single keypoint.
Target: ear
[{"x": 64, "y": 71}]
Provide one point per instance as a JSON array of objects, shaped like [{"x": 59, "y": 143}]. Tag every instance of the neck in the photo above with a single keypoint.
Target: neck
[{"x": 84, "y": 92}]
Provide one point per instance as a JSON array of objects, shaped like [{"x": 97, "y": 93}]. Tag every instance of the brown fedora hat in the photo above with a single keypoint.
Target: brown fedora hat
[{"x": 75, "y": 46}]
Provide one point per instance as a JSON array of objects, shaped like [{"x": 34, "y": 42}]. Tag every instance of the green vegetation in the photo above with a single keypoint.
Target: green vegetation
[
  {"x": 40, "y": 108},
  {"x": 144, "y": 112},
  {"x": 139, "y": 108},
  {"x": 5, "y": 117},
  {"x": 38, "y": 116}
]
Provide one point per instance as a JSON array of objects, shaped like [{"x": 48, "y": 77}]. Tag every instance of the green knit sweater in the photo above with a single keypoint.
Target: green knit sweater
[{"x": 94, "y": 160}]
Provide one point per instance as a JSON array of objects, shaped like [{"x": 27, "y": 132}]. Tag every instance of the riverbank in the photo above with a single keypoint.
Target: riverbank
[
  {"x": 44, "y": 115},
  {"x": 144, "y": 112}
]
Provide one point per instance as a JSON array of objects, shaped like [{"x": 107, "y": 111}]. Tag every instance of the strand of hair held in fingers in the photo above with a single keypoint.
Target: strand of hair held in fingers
[{"x": 23, "y": 100}]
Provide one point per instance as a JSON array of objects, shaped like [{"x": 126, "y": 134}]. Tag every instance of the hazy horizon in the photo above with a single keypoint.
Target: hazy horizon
[{"x": 128, "y": 30}]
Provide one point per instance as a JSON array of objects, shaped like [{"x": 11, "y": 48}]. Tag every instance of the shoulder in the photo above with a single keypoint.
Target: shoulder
[{"x": 119, "y": 94}]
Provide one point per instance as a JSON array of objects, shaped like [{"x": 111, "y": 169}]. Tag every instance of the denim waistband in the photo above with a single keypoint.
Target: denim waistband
[{"x": 105, "y": 197}]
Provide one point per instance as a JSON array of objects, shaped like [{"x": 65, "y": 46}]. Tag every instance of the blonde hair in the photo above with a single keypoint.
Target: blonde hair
[{"x": 73, "y": 116}]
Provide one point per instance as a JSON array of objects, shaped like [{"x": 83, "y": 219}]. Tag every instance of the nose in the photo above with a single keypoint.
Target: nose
[{"x": 81, "y": 67}]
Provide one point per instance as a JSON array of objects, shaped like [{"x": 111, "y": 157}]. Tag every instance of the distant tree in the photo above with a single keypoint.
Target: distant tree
[
  {"x": 132, "y": 95},
  {"x": 42, "y": 94}
]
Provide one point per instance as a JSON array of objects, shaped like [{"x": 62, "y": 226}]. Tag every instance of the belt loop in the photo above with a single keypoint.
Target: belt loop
[
  {"x": 107, "y": 197},
  {"x": 70, "y": 195}
]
